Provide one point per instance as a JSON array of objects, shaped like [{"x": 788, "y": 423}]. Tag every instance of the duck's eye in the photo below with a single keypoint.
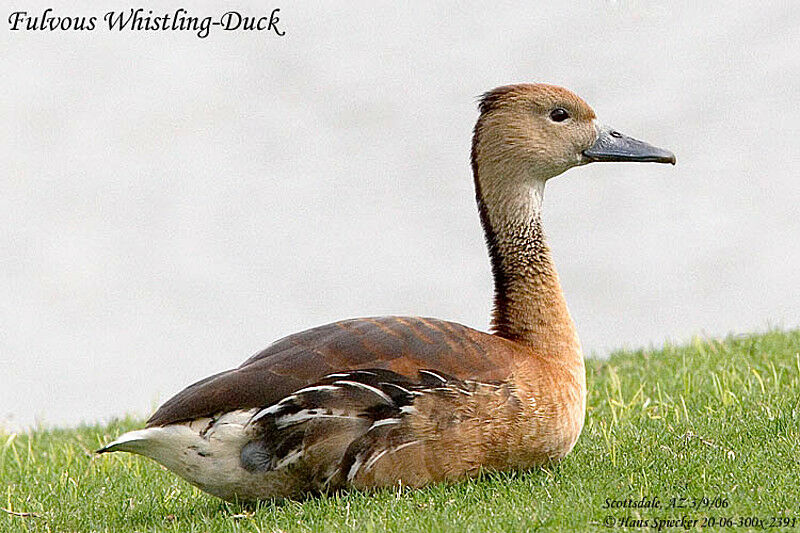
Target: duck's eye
[{"x": 559, "y": 114}]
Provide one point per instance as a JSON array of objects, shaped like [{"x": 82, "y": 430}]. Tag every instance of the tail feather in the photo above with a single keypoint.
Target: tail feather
[
  {"x": 132, "y": 441},
  {"x": 205, "y": 452}
]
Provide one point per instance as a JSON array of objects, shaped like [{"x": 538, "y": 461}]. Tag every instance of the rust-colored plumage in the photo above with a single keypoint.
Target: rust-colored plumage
[
  {"x": 401, "y": 344},
  {"x": 374, "y": 402}
]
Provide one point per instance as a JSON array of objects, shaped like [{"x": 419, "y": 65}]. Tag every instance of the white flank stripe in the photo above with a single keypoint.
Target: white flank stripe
[
  {"x": 406, "y": 445},
  {"x": 434, "y": 374},
  {"x": 264, "y": 412},
  {"x": 311, "y": 389},
  {"x": 288, "y": 420},
  {"x": 289, "y": 459},
  {"x": 396, "y": 386},
  {"x": 275, "y": 408},
  {"x": 374, "y": 459},
  {"x": 354, "y": 469},
  {"x": 382, "y": 395},
  {"x": 299, "y": 416},
  {"x": 384, "y": 422}
]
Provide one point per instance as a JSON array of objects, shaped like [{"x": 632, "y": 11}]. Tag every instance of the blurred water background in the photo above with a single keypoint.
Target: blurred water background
[{"x": 170, "y": 204}]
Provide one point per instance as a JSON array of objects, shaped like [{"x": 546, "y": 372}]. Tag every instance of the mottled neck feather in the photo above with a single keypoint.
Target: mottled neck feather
[{"x": 529, "y": 304}]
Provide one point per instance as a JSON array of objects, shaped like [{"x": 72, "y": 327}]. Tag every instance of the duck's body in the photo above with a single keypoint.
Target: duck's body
[
  {"x": 375, "y": 402},
  {"x": 290, "y": 424}
]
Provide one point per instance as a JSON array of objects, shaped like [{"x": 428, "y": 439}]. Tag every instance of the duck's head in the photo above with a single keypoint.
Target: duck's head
[{"x": 539, "y": 131}]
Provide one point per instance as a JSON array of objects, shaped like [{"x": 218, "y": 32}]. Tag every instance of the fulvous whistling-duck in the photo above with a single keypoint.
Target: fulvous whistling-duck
[{"x": 373, "y": 402}]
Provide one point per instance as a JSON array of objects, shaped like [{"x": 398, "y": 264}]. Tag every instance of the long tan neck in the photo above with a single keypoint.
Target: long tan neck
[{"x": 529, "y": 304}]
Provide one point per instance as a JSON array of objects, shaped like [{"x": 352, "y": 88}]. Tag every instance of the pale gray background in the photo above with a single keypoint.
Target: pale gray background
[{"x": 170, "y": 205}]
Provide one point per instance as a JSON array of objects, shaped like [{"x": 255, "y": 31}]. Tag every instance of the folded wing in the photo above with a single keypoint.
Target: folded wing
[{"x": 404, "y": 345}]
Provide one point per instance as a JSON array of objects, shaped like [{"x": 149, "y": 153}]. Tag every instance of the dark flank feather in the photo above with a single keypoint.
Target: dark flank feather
[
  {"x": 403, "y": 345},
  {"x": 336, "y": 431}
]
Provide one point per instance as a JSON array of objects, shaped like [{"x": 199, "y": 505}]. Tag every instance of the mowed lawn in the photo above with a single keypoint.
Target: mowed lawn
[{"x": 709, "y": 432}]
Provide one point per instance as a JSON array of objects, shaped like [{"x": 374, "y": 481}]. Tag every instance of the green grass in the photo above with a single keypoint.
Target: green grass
[{"x": 713, "y": 419}]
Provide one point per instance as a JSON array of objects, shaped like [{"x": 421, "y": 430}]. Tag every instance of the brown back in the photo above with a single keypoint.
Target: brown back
[{"x": 402, "y": 344}]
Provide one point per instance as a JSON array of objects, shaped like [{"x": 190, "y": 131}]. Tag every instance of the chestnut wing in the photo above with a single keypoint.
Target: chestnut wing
[{"x": 403, "y": 345}]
